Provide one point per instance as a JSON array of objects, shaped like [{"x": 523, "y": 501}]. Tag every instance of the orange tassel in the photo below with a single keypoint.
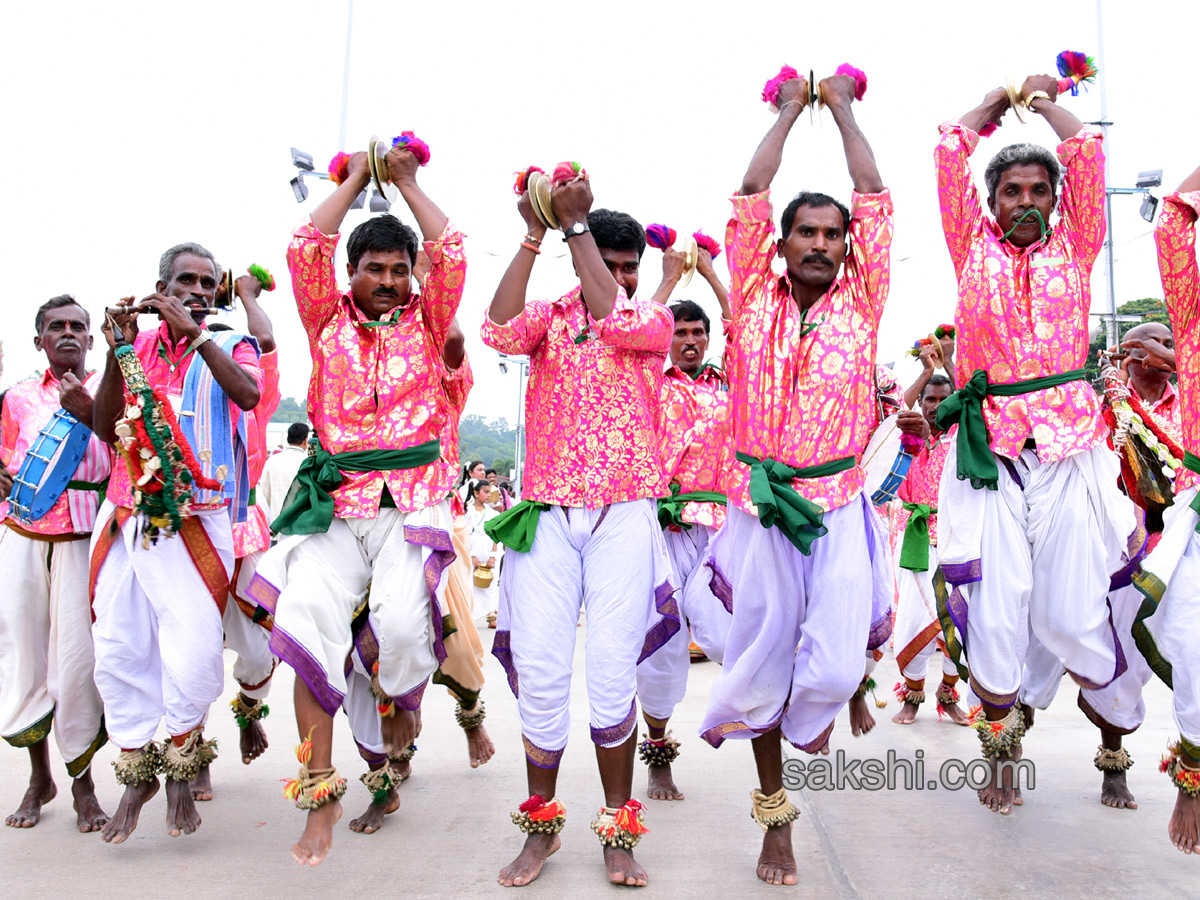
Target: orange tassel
[
  {"x": 304, "y": 748},
  {"x": 628, "y": 818},
  {"x": 291, "y": 789},
  {"x": 548, "y": 812}
]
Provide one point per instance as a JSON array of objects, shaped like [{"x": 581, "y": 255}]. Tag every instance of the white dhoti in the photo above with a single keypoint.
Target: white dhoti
[
  {"x": 158, "y": 629},
  {"x": 1034, "y": 557},
  {"x": 662, "y": 676},
  {"x": 46, "y": 655},
  {"x": 313, "y": 584},
  {"x": 1170, "y": 636},
  {"x": 800, "y": 626},
  {"x": 614, "y": 560},
  {"x": 248, "y": 639}
]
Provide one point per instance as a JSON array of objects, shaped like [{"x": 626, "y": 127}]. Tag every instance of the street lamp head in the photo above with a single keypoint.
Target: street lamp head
[
  {"x": 503, "y": 367},
  {"x": 379, "y": 203},
  {"x": 360, "y": 201},
  {"x": 1149, "y": 207},
  {"x": 1150, "y": 178},
  {"x": 299, "y": 188},
  {"x": 301, "y": 160}
]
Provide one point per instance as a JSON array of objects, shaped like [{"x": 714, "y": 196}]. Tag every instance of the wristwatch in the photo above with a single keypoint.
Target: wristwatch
[
  {"x": 1035, "y": 95},
  {"x": 575, "y": 230}
]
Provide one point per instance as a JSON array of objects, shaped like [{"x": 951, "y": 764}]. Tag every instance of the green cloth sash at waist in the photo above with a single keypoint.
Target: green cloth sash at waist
[
  {"x": 914, "y": 551},
  {"x": 1192, "y": 461},
  {"x": 252, "y": 497},
  {"x": 781, "y": 505},
  {"x": 965, "y": 408},
  {"x": 670, "y": 509},
  {"x": 100, "y": 487},
  {"x": 516, "y": 527},
  {"x": 308, "y": 508}
]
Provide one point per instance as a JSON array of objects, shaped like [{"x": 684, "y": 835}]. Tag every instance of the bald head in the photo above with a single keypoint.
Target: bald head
[{"x": 1148, "y": 381}]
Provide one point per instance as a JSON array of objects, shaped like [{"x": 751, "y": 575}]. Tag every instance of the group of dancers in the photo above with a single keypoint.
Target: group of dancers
[{"x": 679, "y": 502}]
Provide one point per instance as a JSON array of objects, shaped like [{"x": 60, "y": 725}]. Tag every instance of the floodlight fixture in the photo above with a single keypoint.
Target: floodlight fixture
[
  {"x": 299, "y": 188},
  {"x": 301, "y": 160},
  {"x": 379, "y": 203},
  {"x": 1150, "y": 178},
  {"x": 360, "y": 201},
  {"x": 1149, "y": 207}
]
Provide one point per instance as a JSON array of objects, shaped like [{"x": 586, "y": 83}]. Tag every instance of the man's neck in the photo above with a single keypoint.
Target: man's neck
[
  {"x": 1150, "y": 391},
  {"x": 79, "y": 371},
  {"x": 806, "y": 296}
]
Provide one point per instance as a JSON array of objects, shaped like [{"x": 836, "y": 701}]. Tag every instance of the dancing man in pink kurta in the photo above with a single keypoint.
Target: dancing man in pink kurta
[
  {"x": 696, "y": 451},
  {"x": 369, "y": 508},
  {"x": 802, "y": 394},
  {"x": 587, "y": 520},
  {"x": 1031, "y": 523},
  {"x": 1170, "y": 575}
]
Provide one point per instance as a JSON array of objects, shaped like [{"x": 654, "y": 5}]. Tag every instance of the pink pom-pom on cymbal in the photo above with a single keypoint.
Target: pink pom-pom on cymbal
[
  {"x": 414, "y": 144},
  {"x": 770, "y": 91},
  {"x": 660, "y": 236},
  {"x": 988, "y": 129},
  {"x": 522, "y": 182},
  {"x": 708, "y": 243},
  {"x": 859, "y": 76},
  {"x": 339, "y": 168},
  {"x": 567, "y": 171}
]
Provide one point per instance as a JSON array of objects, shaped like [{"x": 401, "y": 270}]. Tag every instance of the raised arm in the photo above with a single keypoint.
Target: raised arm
[
  {"x": 704, "y": 265},
  {"x": 109, "y": 402},
  {"x": 673, "y": 261},
  {"x": 402, "y": 171},
  {"x": 764, "y": 165},
  {"x": 1175, "y": 236},
  {"x": 991, "y": 110},
  {"x": 572, "y": 201},
  {"x": 509, "y": 300},
  {"x": 248, "y": 288},
  {"x": 927, "y": 357},
  {"x": 327, "y": 217},
  {"x": 838, "y": 91},
  {"x": 1064, "y": 122}
]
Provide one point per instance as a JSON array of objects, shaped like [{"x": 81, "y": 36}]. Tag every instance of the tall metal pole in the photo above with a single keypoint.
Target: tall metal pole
[
  {"x": 1113, "y": 334},
  {"x": 346, "y": 76},
  {"x": 522, "y": 371}
]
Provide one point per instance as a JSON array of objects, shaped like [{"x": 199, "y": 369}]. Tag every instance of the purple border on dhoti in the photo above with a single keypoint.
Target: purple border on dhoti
[
  {"x": 720, "y": 586},
  {"x": 616, "y": 733},
  {"x": 502, "y": 650},
  {"x": 962, "y": 573},
  {"x": 1122, "y": 663},
  {"x": 956, "y": 605},
  {"x": 881, "y": 630},
  {"x": 411, "y": 700},
  {"x": 370, "y": 757},
  {"x": 540, "y": 757},
  {"x": 263, "y": 593},
  {"x": 441, "y": 556},
  {"x": 306, "y": 666},
  {"x": 665, "y": 628},
  {"x": 718, "y": 733},
  {"x": 818, "y": 742},
  {"x": 1000, "y": 701}
]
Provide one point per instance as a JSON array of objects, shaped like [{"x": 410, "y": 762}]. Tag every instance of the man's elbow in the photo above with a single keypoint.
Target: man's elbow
[{"x": 248, "y": 399}]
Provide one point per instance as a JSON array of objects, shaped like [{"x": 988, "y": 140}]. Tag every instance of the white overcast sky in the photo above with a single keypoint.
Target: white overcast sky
[{"x": 131, "y": 127}]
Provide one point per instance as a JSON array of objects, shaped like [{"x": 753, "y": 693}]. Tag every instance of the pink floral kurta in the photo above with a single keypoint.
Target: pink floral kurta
[
  {"x": 695, "y": 440},
  {"x": 378, "y": 386},
  {"x": 593, "y": 406},
  {"x": 1176, "y": 239},
  {"x": 806, "y": 399},
  {"x": 920, "y": 485},
  {"x": 1023, "y": 312}
]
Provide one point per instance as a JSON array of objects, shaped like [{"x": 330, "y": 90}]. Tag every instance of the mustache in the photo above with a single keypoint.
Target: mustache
[
  {"x": 818, "y": 258},
  {"x": 385, "y": 292}
]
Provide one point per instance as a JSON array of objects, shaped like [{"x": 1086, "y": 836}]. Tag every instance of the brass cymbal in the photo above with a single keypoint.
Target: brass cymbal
[
  {"x": 1014, "y": 98},
  {"x": 224, "y": 298},
  {"x": 691, "y": 253},
  {"x": 377, "y": 151},
  {"x": 539, "y": 184}
]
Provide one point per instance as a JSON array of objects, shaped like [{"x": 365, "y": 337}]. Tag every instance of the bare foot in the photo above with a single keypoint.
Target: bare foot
[
  {"x": 907, "y": 714},
  {"x": 88, "y": 814},
  {"x": 479, "y": 746},
  {"x": 399, "y": 730},
  {"x": 861, "y": 720},
  {"x": 1184, "y": 827},
  {"x": 955, "y": 714},
  {"x": 998, "y": 796},
  {"x": 182, "y": 817},
  {"x": 661, "y": 784},
  {"x": 121, "y": 825},
  {"x": 1018, "y": 798},
  {"x": 252, "y": 742},
  {"x": 372, "y": 820},
  {"x": 201, "y": 785},
  {"x": 318, "y": 834},
  {"x": 528, "y": 864},
  {"x": 623, "y": 868},
  {"x": 1115, "y": 793},
  {"x": 40, "y": 792},
  {"x": 777, "y": 862}
]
